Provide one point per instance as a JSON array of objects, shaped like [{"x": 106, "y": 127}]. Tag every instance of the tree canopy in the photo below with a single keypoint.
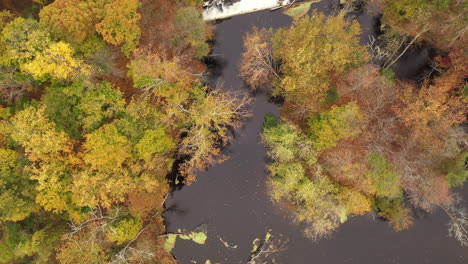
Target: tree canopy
[{"x": 312, "y": 52}]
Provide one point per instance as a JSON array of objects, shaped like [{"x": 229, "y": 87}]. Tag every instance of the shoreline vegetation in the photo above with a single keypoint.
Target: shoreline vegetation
[{"x": 352, "y": 138}]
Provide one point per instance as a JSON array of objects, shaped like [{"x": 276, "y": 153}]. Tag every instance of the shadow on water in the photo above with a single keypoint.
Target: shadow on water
[{"x": 231, "y": 198}]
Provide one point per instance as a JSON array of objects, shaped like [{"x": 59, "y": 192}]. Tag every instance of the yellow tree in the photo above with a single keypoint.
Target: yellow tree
[
  {"x": 120, "y": 24},
  {"x": 313, "y": 51},
  {"x": 72, "y": 20},
  {"x": 103, "y": 180},
  {"x": 163, "y": 79},
  {"x": 50, "y": 152},
  {"x": 21, "y": 40},
  {"x": 56, "y": 61}
]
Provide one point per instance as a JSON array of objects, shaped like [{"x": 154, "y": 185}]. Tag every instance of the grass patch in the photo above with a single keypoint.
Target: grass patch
[{"x": 299, "y": 10}]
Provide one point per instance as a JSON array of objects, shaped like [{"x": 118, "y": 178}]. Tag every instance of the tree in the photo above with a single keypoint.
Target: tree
[
  {"x": 258, "y": 68},
  {"x": 386, "y": 181},
  {"x": 124, "y": 230},
  {"x": 82, "y": 106},
  {"x": 5, "y": 17},
  {"x": 161, "y": 78},
  {"x": 395, "y": 212},
  {"x": 56, "y": 61},
  {"x": 296, "y": 181},
  {"x": 21, "y": 242},
  {"x": 458, "y": 225},
  {"x": 105, "y": 153},
  {"x": 99, "y": 102},
  {"x": 27, "y": 53},
  {"x": 192, "y": 32},
  {"x": 27, "y": 47},
  {"x": 14, "y": 84},
  {"x": 328, "y": 127},
  {"x": 154, "y": 141},
  {"x": 345, "y": 166},
  {"x": 354, "y": 202},
  {"x": 210, "y": 117},
  {"x": 21, "y": 41},
  {"x": 33, "y": 130},
  {"x": 106, "y": 149},
  {"x": 71, "y": 20},
  {"x": 50, "y": 154},
  {"x": 16, "y": 190},
  {"x": 82, "y": 252},
  {"x": 312, "y": 51},
  {"x": 429, "y": 112},
  {"x": 441, "y": 22},
  {"x": 120, "y": 24}
]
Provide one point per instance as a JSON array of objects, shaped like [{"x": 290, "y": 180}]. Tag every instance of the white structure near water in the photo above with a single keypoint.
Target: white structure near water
[{"x": 241, "y": 7}]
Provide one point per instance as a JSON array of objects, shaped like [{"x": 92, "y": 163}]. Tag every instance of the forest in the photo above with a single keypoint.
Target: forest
[
  {"x": 105, "y": 107},
  {"x": 352, "y": 138}
]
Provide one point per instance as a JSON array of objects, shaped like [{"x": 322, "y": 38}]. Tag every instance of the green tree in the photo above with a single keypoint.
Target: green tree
[
  {"x": 192, "y": 31},
  {"x": 441, "y": 22},
  {"x": 328, "y": 127},
  {"x": 124, "y": 230},
  {"x": 82, "y": 106},
  {"x": 313, "y": 197},
  {"x": 386, "y": 180},
  {"x": 100, "y": 102},
  {"x": 22, "y": 40},
  {"x": 17, "y": 192},
  {"x": 29, "y": 242}
]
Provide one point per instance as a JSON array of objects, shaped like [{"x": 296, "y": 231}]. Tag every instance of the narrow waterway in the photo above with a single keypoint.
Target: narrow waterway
[{"x": 230, "y": 199}]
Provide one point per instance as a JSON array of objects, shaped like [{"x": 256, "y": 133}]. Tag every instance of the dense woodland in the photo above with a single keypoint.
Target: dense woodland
[
  {"x": 99, "y": 98},
  {"x": 354, "y": 139},
  {"x": 102, "y": 99}
]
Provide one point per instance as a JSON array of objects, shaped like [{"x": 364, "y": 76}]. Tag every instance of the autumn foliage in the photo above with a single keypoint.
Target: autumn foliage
[
  {"x": 352, "y": 138},
  {"x": 89, "y": 132},
  {"x": 258, "y": 67}
]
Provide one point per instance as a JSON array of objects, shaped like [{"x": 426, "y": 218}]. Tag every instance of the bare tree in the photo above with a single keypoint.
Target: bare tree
[
  {"x": 258, "y": 67},
  {"x": 458, "y": 224},
  {"x": 12, "y": 85},
  {"x": 211, "y": 118}
]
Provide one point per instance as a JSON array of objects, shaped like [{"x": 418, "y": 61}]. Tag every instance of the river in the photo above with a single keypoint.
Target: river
[{"x": 230, "y": 199}]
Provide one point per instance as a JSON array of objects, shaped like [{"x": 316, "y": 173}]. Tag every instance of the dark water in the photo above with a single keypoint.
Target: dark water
[{"x": 230, "y": 199}]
